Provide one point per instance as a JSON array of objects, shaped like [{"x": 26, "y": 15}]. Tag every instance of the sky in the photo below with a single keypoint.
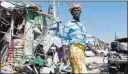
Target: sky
[{"x": 101, "y": 19}]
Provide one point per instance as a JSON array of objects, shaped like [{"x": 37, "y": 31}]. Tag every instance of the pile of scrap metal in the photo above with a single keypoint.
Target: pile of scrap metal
[{"x": 26, "y": 42}]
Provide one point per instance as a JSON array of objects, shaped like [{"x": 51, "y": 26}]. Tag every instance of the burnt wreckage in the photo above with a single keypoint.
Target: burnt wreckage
[
  {"x": 118, "y": 57},
  {"x": 9, "y": 16}
]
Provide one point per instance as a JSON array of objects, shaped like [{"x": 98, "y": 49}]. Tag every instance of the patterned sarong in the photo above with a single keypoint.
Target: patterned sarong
[{"x": 77, "y": 58}]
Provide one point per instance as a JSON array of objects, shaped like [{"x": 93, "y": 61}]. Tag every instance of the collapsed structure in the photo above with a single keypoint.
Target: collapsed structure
[{"x": 25, "y": 33}]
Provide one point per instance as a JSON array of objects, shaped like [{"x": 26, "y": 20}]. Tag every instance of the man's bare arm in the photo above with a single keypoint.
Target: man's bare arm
[
  {"x": 93, "y": 50},
  {"x": 64, "y": 53}
]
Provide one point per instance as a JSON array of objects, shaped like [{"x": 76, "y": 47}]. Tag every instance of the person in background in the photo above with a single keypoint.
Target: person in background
[{"x": 74, "y": 38}]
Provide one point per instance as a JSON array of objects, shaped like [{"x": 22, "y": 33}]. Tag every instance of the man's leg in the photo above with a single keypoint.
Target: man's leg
[{"x": 77, "y": 59}]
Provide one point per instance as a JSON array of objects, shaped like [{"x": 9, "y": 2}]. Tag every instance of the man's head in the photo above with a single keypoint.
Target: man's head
[{"x": 75, "y": 10}]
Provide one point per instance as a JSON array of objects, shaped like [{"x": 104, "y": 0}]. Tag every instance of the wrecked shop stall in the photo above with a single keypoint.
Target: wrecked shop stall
[
  {"x": 19, "y": 18},
  {"x": 21, "y": 28}
]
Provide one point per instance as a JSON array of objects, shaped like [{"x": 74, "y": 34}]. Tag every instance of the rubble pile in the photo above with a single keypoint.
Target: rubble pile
[{"x": 26, "y": 41}]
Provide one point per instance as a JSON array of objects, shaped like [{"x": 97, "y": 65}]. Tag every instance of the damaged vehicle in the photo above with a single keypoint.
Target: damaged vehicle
[{"x": 118, "y": 57}]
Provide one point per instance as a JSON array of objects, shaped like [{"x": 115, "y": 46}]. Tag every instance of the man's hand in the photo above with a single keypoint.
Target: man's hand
[{"x": 90, "y": 46}]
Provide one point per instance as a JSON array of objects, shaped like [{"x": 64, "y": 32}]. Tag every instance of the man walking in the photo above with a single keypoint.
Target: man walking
[{"x": 74, "y": 37}]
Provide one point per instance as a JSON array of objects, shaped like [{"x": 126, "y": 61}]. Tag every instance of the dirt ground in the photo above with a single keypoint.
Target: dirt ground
[{"x": 98, "y": 60}]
